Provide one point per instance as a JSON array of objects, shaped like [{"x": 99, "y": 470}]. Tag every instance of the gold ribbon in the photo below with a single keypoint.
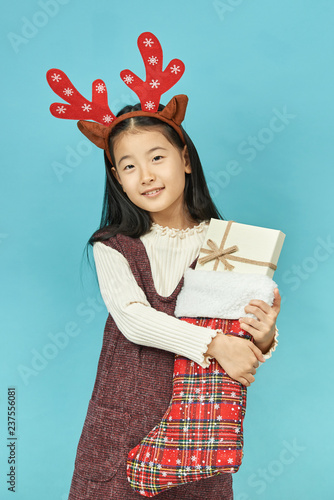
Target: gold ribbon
[{"x": 222, "y": 254}]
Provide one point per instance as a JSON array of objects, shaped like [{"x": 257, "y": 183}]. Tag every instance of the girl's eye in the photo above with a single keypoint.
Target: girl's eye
[
  {"x": 128, "y": 167},
  {"x": 157, "y": 158}
]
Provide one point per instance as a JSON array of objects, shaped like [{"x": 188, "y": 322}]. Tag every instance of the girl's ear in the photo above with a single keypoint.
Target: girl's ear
[
  {"x": 115, "y": 174},
  {"x": 117, "y": 177},
  {"x": 187, "y": 166}
]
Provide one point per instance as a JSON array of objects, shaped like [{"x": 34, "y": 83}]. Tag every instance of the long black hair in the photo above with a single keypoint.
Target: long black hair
[{"x": 119, "y": 214}]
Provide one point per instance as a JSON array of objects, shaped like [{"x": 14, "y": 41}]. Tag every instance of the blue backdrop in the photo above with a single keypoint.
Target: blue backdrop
[{"x": 259, "y": 76}]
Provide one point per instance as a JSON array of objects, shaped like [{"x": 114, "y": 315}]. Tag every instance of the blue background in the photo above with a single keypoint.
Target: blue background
[{"x": 247, "y": 62}]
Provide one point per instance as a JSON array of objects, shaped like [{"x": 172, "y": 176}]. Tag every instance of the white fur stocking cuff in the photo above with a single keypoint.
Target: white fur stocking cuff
[{"x": 224, "y": 295}]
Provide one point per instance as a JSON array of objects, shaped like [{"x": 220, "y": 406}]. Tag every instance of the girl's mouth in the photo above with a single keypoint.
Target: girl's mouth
[{"x": 153, "y": 192}]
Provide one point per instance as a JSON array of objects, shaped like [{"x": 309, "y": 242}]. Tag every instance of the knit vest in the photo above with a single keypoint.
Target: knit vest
[{"x": 132, "y": 391}]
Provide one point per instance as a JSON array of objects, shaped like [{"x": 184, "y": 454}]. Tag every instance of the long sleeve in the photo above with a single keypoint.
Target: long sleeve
[{"x": 136, "y": 319}]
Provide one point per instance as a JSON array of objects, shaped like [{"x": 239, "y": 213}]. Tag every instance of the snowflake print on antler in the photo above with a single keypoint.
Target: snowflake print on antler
[
  {"x": 87, "y": 107},
  {"x": 149, "y": 105},
  {"x": 158, "y": 81},
  {"x": 175, "y": 69},
  {"x": 148, "y": 42},
  {"x": 154, "y": 84},
  {"x": 60, "y": 109},
  {"x": 153, "y": 60},
  {"x": 55, "y": 77},
  {"x": 107, "y": 119},
  {"x": 79, "y": 108},
  {"x": 68, "y": 91},
  {"x": 128, "y": 79},
  {"x": 100, "y": 87}
]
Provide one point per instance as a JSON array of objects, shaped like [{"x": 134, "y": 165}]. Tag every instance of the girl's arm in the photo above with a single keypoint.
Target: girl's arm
[
  {"x": 142, "y": 324},
  {"x": 134, "y": 316}
]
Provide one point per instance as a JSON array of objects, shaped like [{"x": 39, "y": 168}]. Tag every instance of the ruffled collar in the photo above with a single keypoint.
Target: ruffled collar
[{"x": 178, "y": 233}]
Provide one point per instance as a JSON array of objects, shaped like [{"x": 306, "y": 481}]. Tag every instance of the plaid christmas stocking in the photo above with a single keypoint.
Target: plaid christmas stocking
[{"x": 200, "y": 434}]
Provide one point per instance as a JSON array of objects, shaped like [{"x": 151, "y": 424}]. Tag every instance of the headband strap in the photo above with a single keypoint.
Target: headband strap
[{"x": 99, "y": 134}]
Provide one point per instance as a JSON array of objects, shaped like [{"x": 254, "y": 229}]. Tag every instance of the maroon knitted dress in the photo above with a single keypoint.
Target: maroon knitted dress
[{"x": 132, "y": 391}]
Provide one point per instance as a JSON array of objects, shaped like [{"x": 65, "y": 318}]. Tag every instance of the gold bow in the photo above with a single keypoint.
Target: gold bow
[{"x": 222, "y": 254}]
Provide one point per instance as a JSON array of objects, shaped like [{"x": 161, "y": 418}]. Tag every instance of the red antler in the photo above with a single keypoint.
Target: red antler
[
  {"x": 79, "y": 108},
  {"x": 157, "y": 81}
]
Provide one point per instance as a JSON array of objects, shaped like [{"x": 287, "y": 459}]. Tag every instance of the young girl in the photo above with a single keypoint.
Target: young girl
[
  {"x": 154, "y": 220},
  {"x": 155, "y": 213}
]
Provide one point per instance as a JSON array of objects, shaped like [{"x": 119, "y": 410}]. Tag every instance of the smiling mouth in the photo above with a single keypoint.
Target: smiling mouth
[{"x": 153, "y": 192}]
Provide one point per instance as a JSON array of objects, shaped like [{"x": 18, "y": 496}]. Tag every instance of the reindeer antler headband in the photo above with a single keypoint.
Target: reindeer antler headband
[{"x": 149, "y": 92}]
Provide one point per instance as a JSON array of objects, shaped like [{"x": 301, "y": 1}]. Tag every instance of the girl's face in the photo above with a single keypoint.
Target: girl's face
[{"x": 152, "y": 172}]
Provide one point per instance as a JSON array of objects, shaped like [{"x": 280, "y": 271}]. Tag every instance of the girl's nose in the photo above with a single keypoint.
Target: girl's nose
[{"x": 147, "y": 176}]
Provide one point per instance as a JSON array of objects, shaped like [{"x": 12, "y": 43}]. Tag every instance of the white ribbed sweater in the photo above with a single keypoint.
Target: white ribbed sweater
[{"x": 170, "y": 252}]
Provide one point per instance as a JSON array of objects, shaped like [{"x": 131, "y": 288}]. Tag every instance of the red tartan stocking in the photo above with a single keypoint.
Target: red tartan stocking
[{"x": 201, "y": 433}]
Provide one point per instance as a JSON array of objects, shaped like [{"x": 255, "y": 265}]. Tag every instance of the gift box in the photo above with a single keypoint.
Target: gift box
[
  {"x": 241, "y": 248},
  {"x": 246, "y": 255}
]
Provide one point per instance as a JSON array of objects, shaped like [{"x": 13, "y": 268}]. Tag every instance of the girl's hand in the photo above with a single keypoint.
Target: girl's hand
[
  {"x": 262, "y": 328},
  {"x": 239, "y": 357}
]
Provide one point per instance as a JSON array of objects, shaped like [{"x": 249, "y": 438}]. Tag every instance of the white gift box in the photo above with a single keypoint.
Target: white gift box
[{"x": 246, "y": 249}]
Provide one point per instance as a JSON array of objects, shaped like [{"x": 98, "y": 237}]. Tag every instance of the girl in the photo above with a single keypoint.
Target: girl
[
  {"x": 154, "y": 219},
  {"x": 155, "y": 213}
]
